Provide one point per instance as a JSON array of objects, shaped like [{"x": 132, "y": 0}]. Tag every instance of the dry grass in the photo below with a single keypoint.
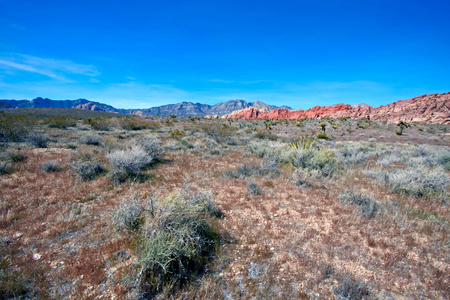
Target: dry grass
[{"x": 287, "y": 242}]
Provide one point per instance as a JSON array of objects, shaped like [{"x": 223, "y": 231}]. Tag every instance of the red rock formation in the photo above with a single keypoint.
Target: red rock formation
[{"x": 431, "y": 109}]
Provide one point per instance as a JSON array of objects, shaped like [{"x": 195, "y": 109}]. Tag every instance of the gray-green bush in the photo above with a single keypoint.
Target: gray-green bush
[
  {"x": 87, "y": 171},
  {"x": 368, "y": 206},
  {"x": 129, "y": 161},
  {"x": 177, "y": 240},
  {"x": 419, "y": 181}
]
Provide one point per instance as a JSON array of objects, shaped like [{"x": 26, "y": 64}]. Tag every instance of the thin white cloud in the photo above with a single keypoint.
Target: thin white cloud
[
  {"x": 221, "y": 80},
  {"x": 55, "y": 69}
]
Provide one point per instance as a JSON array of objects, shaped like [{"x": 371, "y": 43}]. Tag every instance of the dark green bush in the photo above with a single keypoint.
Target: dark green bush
[
  {"x": 14, "y": 128},
  {"x": 61, "y": 122}
]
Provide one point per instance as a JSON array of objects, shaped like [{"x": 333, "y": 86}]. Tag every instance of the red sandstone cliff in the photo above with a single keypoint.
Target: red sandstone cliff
[{"x": 431, "y": 109}]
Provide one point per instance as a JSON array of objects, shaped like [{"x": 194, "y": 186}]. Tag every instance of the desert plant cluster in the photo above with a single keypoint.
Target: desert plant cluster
[{"x": 107, "y": 206}]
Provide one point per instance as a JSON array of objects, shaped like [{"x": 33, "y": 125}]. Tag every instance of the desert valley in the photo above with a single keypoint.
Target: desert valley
[{"x": 333, "y": 202}]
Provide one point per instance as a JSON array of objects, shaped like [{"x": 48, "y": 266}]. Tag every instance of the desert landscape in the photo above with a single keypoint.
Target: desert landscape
[{"x": 336, "y": 205}]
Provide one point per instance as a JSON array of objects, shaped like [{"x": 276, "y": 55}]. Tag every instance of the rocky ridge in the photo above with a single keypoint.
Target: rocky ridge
[{"x": 431, "y": 109}]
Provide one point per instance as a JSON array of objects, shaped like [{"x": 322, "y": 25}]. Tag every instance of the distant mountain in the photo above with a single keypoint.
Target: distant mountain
[
  {"x": 431, "y": 109},
  {"x": 183, "y": 109}
]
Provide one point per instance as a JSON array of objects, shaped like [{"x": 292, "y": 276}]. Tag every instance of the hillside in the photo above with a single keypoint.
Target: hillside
[{"x": 430, "y": 109}]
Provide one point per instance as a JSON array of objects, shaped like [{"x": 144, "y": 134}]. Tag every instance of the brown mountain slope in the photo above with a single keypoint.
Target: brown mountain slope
[{"x": 431, "y": 109}]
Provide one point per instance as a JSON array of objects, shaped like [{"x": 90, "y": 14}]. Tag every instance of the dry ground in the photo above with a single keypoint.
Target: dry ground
[{"x": 58, "y": 240}]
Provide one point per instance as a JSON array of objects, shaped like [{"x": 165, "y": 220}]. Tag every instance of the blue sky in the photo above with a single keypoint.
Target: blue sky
[{"x": 139, "y": 54}]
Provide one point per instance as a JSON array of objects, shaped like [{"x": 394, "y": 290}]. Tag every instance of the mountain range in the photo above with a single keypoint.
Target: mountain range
[
  {"x": 432, "y": 108},
  {"x": 183, "y": 109}
]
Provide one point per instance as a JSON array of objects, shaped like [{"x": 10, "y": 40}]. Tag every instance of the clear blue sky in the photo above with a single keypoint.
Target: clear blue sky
[{"x": 139, "y": 54}]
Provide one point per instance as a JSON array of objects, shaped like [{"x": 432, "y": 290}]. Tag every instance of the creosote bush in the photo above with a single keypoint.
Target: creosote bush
[
  {"x": 91, "y": 139},
  {"x": 220, "y": 132},
  {"x": 350, "y": 288},
  {"x": 38, "y": 139},
  {"x": 14, "y": 128},
  {"x": 50, "y": 166},
  {"x": 87, "y": 171},
  {"x": 366, "y": 204},
  {"x": 253, "y": 189}
]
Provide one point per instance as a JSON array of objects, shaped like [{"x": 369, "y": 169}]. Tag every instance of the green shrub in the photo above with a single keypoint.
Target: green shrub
[
  {"x": 367, "y": 205},
  {"x": 91, "y": 139},
  {"x": 176, "y": 133},
  {"x": 18, "y": 157},
  {"x": 50, "y": 166},
  {"x": 133, "y": 124},
  {"x": 321, "y": 160},
  {"x": 60, "y": 122},
  {"x": 350, "y": 288},
  {"x": 37, "y": 139},
  {"x": 323, "y": 136},
  {"x": 100, "y": 124},
  {"x": 253, "y": 189},
  {"x": 177, "y": 240},
  {"x": 220, "y": 132},
  {"x": 14, "y": 128},
  {"x": 87, "y": 171},
  {"x": 303, "y": 142},
  {"x": 265, "y": 135}
]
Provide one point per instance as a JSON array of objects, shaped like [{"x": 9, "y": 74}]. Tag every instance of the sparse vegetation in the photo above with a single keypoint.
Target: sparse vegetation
[{"x": 256, "y": 209}]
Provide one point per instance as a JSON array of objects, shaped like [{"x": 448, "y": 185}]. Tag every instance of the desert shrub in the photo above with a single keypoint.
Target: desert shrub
[
  {"x": 354, "y": 154},
  {"x": 268, "y": 168},
  {"x": 444, "y": 160},
  {"x": 269, "y": 150},
  {"x": 302, "y": 178},
  {"x": 390, "y": 160},
  {"x": 367, "y": 205},
  {"x": 129, "y": 161},
  {"x": 265, "y": 135},
  {"x": 60, "y": 122},
  {"x": 13, "y": 283},
  {"x": 133, "y": 124},
  {"x": 214, "y": 152},
  {"x": 186, "y": 144},
  {"x": 87, "y": 171},
  {"x": 419, "y": 181},
  {"x": 91, "y": 139},
  {"x": 323, "y": 136},
  {"x": 5, "y": 168},
  {"x": 220, "y": 132},
  {"x": 177, "y": 240},
  {"x": 14, "y": 128},
  {"x": 210, "y": 143},
  {"x": 50, "y": 166},
  {"x": 38, "y": 139},
  {"x": 100, "y": 124},
  {"x": 128, "y": 215},
  {"x": 303, "y": 142},
  {"x": 253, "y": 189},
  {"x": 321, "y": 160},
  {"x": 176, "y": 133},
  {"x": 150, "y": 144},
  {"x": 17, "y": 157},
  {"x": 350, "y": 288}
]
